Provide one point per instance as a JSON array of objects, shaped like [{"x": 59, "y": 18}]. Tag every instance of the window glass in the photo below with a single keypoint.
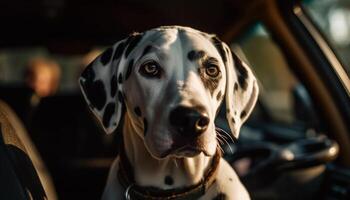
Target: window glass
[
  {"x": 15, "y": 61},
  {"x": 333, "y": 19},
  {"x": 278, "y": 85}
]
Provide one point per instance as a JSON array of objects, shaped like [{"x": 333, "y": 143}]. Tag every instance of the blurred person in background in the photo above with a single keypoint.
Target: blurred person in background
[{"x": 42, "y": 78}]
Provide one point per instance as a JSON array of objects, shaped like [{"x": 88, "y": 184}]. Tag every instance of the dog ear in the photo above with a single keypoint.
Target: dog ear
[
  {"x": 102, "y": 80},
  {"x": 241, "y": 88}
]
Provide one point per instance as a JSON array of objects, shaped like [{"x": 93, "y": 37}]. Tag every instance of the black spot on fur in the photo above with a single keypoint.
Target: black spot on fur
[
  {"x": 228, "y": 110},
  {"x": 88, "y": 73},
  {"x": 145, "y": 126},
  {"x": 95, "y": 93},
  {"x": 191, "y": 55},
  {"x": 218, "y": 97},
  {"x": 137, "y": 111},
  {"x": 120, "y": 97},
  {"x": 106, "y": 56},
  {"x": 230, "y": 179},
  {"x": 128, "y": 71},
  {"x": 146, "y": 50},
  {"x": 120, "y": 78},
  {"x": 195, "y": 55},
  {"x": 219, "y": 46},
  {"x": 242, "y": 82},
  {"x": 220, "y": 196},
  {"x": 168, "y": 180},
  {"x": 135, "y": 39},
  {"x": 119, "y": 51},
  {"x": 242, "y": 72},
  {"x": 235, "y": 113},
  {"x": 109, "y": 110},
  {"x": 233, "y": 120},
  {"x": 235, "y": 87},
  {"x": 113, "y": 85},
  {"x": 243, "y": 114}
]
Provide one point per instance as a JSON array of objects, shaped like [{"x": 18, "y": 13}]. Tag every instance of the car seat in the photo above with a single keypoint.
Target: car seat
[{"x": 23, "y": 174}]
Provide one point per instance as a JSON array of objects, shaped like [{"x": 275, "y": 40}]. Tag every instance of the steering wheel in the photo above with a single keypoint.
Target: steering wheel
[{"x": 268, "y": 160}]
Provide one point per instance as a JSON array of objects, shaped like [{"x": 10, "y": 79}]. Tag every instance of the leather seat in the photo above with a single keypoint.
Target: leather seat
[{"x": 23, "y": 174}]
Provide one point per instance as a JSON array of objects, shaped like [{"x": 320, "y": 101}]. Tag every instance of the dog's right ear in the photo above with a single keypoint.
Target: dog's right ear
[{"x": 102, "y": 80}]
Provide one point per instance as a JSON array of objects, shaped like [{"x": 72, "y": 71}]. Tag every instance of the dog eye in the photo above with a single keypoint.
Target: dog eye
[
  {"x": 150, "y": 69},
  {"x": 212, "y": 70}
]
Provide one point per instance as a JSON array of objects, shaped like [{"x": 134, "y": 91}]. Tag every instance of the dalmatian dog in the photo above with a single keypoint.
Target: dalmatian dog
[{"x": 164, "y": 86}]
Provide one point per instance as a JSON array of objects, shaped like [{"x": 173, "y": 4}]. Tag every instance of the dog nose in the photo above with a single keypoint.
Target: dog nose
[{"x": 188, "y": 120}]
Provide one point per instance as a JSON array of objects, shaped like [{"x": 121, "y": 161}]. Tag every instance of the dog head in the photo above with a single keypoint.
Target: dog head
[{"x": 171, "y": 82}]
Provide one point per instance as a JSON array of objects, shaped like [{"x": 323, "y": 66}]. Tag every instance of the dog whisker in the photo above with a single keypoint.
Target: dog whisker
[
  {"x": 220, "y": 143},
  {"x": 219, "y": 140},
  {"x": 222, "y": 138},
  {"x": 222, "y": 131},
  {"x": 229, "y": 146}
]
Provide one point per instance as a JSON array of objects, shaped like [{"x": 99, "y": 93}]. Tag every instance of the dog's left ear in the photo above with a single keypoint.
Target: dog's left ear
[
  {"x": 241, "y": 88},
  {"x": 102, "y": 80}
]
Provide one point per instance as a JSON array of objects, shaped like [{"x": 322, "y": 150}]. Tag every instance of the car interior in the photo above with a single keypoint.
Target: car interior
[{"x": 295, "y": 145}]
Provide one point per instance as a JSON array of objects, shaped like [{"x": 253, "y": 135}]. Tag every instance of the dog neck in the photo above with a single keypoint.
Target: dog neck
[{"x": 167, "y": 173}]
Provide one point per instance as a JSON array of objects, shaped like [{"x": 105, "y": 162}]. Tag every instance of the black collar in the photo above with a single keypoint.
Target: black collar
[{"x": 133, "y": 191}]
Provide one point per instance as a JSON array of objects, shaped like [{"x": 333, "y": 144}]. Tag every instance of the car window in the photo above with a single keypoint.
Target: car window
[
  {"x": 281, "y": 93},
  {"x": 14, "y": 62},
  {"x": 333, "y": 18}
]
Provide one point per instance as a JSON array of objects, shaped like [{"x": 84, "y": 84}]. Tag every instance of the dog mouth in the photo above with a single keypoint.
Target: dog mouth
[
  {"x": 179, "y": 146},
  {"x": 189, "y": 151}
]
